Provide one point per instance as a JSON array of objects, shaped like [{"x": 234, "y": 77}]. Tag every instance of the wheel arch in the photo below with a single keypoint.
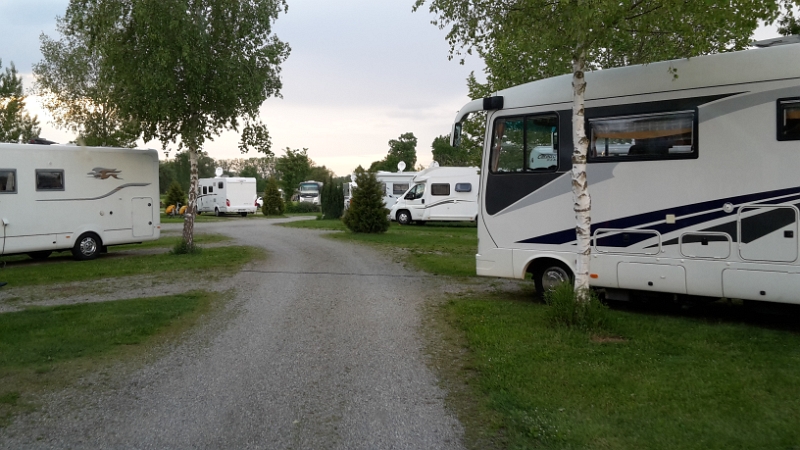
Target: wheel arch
[{"x": 536, "y": 263}]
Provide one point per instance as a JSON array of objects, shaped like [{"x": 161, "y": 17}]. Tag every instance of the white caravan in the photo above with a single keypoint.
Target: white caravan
[
  {"x": 395, "y": 184},
  {"x": 694, "y": 180},
  {"x": 439, "y": 193},
  {"x": 226, "y": 195},
  {"x": 309, "y": 192},
  {"x": 83, "y": 199}
]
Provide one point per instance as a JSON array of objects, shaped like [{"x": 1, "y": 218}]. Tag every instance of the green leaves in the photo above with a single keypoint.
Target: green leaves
[{"x": 16, "y": 125}]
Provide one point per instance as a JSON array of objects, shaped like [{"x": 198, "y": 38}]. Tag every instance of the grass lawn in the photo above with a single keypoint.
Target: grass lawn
[
  {"x": 654, "y": 381},
  {"x": 61, "y": 268},
  {"x": 437, "y": 248},
  {"x": 46, "y": 348}
]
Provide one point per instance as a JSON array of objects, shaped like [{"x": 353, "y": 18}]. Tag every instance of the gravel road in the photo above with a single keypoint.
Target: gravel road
[{"x": 319, "y": 349}]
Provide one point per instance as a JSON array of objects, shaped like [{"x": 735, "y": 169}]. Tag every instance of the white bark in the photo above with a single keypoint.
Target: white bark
[
  {"x": 188, "y": 218},
  {"x": 580, "y": 187}
]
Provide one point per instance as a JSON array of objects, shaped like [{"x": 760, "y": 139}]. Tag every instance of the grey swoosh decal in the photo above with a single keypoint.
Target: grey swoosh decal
[{"x": 116, "y": 189}]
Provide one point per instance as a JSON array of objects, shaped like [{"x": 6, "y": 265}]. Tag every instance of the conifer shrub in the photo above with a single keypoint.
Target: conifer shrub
[
  {"x": 332, "y": 200},
  {"x": 367, "y": 213},
  {"x": 175, "y": 194},
  {"x": 273, "y": 202},
  {"x": 301, "y": 208}
]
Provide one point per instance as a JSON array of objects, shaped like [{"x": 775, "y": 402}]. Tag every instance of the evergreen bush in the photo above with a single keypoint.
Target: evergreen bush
[
  {"x": 332, "y": 199},
  {"x": 367, "y": 213},
  {"x": 175, "y": 194},
  {"x": 273, "y": 202}
]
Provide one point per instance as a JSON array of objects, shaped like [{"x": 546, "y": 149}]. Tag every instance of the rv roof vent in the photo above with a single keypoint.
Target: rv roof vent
[{"x": 783, "y": 40}]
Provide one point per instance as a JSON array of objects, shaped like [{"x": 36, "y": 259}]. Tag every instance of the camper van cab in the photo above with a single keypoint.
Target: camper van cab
[
  {"x": 394, "y": 184},
  {"x": 309, "y": 192},
  {"x": 693, "y": 180},
  {"x": 83, "y": 199},
  {"x": 226, "y": 195},
  {"x": 439, "y": 193}
]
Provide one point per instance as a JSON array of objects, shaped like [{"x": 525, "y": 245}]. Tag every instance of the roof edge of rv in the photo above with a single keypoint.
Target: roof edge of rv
[{"x": 493, "y": 103}]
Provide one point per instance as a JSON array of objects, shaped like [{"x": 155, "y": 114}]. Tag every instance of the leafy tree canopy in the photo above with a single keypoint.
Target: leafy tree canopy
[
  {"x": 403, "y": 149},
  {"x": 461, "y": 156},
  {"x": 294, "y": 166},
  {"x": 16, "y": 125}
]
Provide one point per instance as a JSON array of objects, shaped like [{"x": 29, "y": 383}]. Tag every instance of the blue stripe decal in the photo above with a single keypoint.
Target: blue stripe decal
[{"x": 714, "y": 208}]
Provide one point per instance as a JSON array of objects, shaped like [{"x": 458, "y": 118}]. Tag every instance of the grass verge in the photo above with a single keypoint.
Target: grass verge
[
  {"x": 46, "y": 348},
  {"x": 654, "y": 381},
  {"x": 62, "y": 269},
  {"x": 437, "y": 248}
]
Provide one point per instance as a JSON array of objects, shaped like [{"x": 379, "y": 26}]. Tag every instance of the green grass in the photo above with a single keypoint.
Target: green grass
[
  {"x": 437, "y": 248},
  {"x": 171, "y": 241},
  {"x": 63, "y": 269},
  {"x": 654, "y": 382},
  {"x": 49, "y": 347}
]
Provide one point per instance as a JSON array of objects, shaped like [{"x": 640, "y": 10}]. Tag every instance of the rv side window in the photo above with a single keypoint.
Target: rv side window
[
  {"x": 651, "y": 136},
  {"x": 440, "y": 188},
  {"x": 525, "y": 144},
  {"x": 49, "y": 180},
  {"x": 211, "y": 189},
  {"x": 399, "y": 188},
  {"x": 219, "y": 185},
  {"x": 8, "y": 181},
  {"x": 789, "y": 119},
  {"x": 205, "y": 190},
  {"x": 463, "y": 187}
]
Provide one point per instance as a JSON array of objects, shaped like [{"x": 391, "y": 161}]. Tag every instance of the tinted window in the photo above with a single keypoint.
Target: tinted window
[
  {"x": 399, "y": 188},
  {"x": 652, "y": 136},
  {"x": 211, "y": 189},
  {"x": 525, "y": 144},
  {"x": 463, "y": 187},
  {"x": 789, "y": 119},
  {"x": 205, "y": 190},
  {"x": 219, "y": 185},
  {"x": 8, "y": 181},
  {"x": 440, "y": 189},
  {"x": 49, "y": 180}
]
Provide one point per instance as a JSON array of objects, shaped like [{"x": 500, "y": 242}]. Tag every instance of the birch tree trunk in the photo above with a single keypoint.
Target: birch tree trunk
[
  {"x": 580, "y": 186},
  {"x": 188, "y": 218}
]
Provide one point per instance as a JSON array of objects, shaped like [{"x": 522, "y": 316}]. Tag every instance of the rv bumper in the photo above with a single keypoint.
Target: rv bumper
[{"x": 496, "y": 262}]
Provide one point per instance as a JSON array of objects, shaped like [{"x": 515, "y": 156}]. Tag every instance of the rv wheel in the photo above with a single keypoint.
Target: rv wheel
[
  {"x": 87, "y": 247},
  {"x": 403, "y": 217},
  {"x": 244, "y": 214},
  {"x": 550, "y": 275},
  {"x": 216, "y": 212}
]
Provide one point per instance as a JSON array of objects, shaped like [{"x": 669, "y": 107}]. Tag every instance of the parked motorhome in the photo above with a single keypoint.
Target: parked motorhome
[
  {"x": 347, "y": 190},
  {"x": 441, "y": 194},
  {"x": 694, "y": 180},
  {"x": 309, "y": 192},
  {"x": 226, "y": 195},
  {"x": 83, "y": 199},
  {"x": 395, "y": 184}
]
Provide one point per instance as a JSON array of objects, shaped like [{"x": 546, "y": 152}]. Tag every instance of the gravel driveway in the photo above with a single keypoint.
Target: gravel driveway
[{"x": 319, "y": 350}]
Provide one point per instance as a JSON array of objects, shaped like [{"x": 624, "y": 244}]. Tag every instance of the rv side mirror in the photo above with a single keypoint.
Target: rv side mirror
[{"x": 456, "y": 140}]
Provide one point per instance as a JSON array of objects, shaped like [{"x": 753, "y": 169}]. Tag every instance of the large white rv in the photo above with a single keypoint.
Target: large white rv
[
  {"x": 694, "y": 180},
  {"x": 83, "y": 199},
  {"x": 310, "y": 192},
  {"x": 395, "y": 184},
  {"x": 441, "y": 194},
  {"x": 227, "y": 195}
]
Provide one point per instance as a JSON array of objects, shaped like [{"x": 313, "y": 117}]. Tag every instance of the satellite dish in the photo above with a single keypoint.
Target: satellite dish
[
  {"x": 218, "y": 171},
  {"x": 434, "y": 164},
  {"x": 401, "y": 166}
]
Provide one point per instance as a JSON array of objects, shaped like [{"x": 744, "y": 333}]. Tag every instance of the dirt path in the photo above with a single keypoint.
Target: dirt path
[{"x": 320, "y": 348}]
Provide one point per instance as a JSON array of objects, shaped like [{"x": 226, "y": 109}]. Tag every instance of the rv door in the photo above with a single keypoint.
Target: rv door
[
  {"x": 415, "y": 201},
  {"x": 142, "y": 216}
]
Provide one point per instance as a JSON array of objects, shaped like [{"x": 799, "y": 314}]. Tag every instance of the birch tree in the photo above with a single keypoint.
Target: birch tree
[
  {"x": 187, "y": 70},
  {"x": 523, "y": 40}
]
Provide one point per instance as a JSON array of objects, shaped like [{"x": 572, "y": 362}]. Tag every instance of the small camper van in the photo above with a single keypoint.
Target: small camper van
[
  {"x": 694, "y": 180},
  {"x": 441, "y": 194},
  {"x": 226, "y": 195},
  {"x": 83, "y": 199},
  {"x": 395, "y": 184}
]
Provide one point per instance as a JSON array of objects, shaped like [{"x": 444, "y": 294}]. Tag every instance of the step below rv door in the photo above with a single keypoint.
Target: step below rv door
[{"x": 142, "y": 216}]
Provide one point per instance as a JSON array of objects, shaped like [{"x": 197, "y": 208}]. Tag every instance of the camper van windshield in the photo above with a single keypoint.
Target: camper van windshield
[{"x": 309, "y": 188}]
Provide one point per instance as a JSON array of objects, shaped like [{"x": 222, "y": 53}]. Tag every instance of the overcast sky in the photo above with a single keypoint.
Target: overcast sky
[{"x": 361, "y": 72}]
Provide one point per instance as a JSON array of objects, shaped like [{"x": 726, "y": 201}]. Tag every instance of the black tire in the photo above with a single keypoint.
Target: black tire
[
  {"x": 550, "y": 274},
  {"x": 403, "y": 217},
  {"x": 244, "y": 214},
  {"x": 87, "y": 247},
  {"x": 216, "y": 212},
  {"x": 44, "y": 254},
  {"x": 196, "y": 211}
]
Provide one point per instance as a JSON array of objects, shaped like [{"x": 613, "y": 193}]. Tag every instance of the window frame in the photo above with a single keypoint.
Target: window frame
[
  {"x": 63, "y": 180},
  {"x": 16, "y": 181},
  {"x": 780, "y": 108},
  {"x": 693, "y": 154},
  {"x": 439, "y": 185},
  {"x": 525, "y": 150},
  {"x": 395, "y": 191}
]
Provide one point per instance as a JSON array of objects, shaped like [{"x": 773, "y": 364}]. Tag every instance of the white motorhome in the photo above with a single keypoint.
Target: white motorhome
[
  {"x": 694, "y": 180},
  {"x": 310, "y": 192},
  {"x": 441, "y": 194},
  {"x": 395, "y": 184},
  {"x": 226, "y": 195},
  {"x": 83, "y": 199}
]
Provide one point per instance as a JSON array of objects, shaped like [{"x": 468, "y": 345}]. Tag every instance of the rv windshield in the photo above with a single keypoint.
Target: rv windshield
[{"x": 309, "y": 188}]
